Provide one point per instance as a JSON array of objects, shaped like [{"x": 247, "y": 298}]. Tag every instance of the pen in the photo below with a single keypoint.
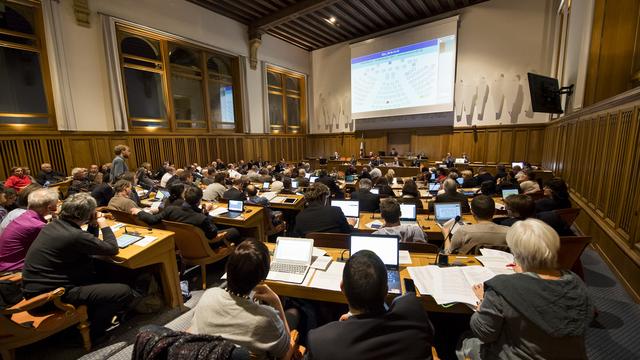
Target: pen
[{"x": 511, "y": 266}]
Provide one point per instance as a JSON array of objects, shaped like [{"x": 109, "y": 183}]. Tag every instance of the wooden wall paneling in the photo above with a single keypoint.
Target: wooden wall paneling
[
  {"x": 140, "y": 151},
  {"x": 179, "y": 154},
  {"x": 81, "y": 150},
  {"x": 55, "y": 148},
  {"x": 168, "y": 151},
  {"x": 155, "y": 153},
  {"x": 628, "y": 147},
  {"x": 520, "y": 144},
  {"x": 506, "y": 146},
  {"x": 33, "y": 154},
  {"x": 192, "y": 151},
  {"x": 535, "y": 145},
  {"x": 602, "y": 163},
  {"x": 492, "y": 154},
  {"x": 10, "y": 155},
  {"x": 479, "y": 149}
]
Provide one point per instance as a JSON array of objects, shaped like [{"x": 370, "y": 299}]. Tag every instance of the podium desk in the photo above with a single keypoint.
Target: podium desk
[
  {"x": 160, "y": 251},
  {"x": 418, "y": 259}
]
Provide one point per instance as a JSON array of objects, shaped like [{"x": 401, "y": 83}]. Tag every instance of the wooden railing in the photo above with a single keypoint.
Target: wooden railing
[{"x": 596, "y": 150}]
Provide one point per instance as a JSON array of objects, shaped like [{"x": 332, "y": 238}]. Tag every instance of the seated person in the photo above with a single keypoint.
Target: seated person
[
  {"x": 369, "y": 330},
  {"x": 468, "y": 181},
  {"x": 144, "y": 176},
  {"x": 556, "y": 196},
  {"x": 529, "y": 186},
  {"x": 190, "y": 212},
  {"x": 18, "y": 179},
  {"x": 483, "y": 175},
  {"x": 539, "y": 312},
  {"x": 231, "y": 313},
  {"x": 451, "y": 194},
  {"x": 519, "y": 207},
  {"x": 20, "y": 234},
  {"x": 216, "y": 190},
  {"x": 48, "y": 175},
  {"x": 277, "y": 185},
  {"x": 80, "y": 181},
  {"x": 330, "y": 182},
  {"x": 466, "y": 238},
  {"x": 382, "y": 183},
  {"x": 3, "y": 203},
  {"x": 168, "y": 175},
  {"x": 286, "y": 187},
  {"x": 101, "y": 191},
  {"x": 121, "y": 201},
  {"x": 254, "y": 198},
  {"x": 390, "y": 211},
  {"x": 62, "y": 256},
  {"x": 235, "y": 192},
  {"x": 302, "y": 180},
  {"x": 411, "y": 195},
  {"x": 368, "y": 201},
  {"x": 319, "y": 215},
  {"x": 488, "y": 188},
  {"x": 19, "y": 201}
]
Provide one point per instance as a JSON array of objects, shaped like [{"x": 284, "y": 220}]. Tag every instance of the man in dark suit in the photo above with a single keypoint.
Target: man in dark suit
[
  {"x": 483, "y": 175},
  {"x": 368, "y": 330},
  {"x": 393, "y": 152},
  {"x": 369, "y": 202},
  {"x": 451, "y": 194},
  {"x": 331, "y": 184},
  {"x": 318, "y": 216},
  {"x": 235, "y": 192}
]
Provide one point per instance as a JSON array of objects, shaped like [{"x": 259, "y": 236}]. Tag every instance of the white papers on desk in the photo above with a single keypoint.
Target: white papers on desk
[
  {"x": 278, "y": 199},
  {"x": 321, "y": 262},
  {"x": 499, "y": 262},
  {"x": 269, "y": 195},
  {"x": 145, "y": 241},
  {"x": 405, "y": 257},
  {"x": 449, "y": 285},
  {"x": 330, "y": 278},
  {"x": 116, "y": 226},
  {"x": 317, "y": 252},
  {"x": 218, "y": 211}
]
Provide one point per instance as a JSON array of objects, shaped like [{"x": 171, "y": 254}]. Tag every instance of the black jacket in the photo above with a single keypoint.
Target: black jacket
[
  {"x": 319, "y": 218},
  {"x": 369, "y": 202},
  {"x": 457, "y": 197},
  {"x": 52, "y": 177},
  {"x": 102, "y": 193},
  {"x": 403, "y": 332},
  {"x": 61, "y": 256},
  {"x": 331, "y": 184},
  {"x": 182, "y": 213},
  {"x": 234, "y": 194}
]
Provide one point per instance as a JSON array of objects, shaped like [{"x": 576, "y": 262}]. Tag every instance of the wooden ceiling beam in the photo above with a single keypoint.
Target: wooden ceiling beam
[
  {"x": 297, "y": 29},
  {"x": 393, "y": 9},
  {"x": 345, "y": 18},
  {"x": 233, "y": 6},
  {"x": 221, "y": 10},
  {"x": 436, "y": 5},
  {"x": 277, "y": 32},
  {"x": 420, "y": 4},
  {"x": 320, "y": 23},
  {"x": 364, "y": 15},
  {"x": 300, "y": 35},
  {"x": 289, "y": 13},
  {"x": 268, "y": 5},
  {"x": 307, "y": 23},
  {"x": 452, "y": 5}
]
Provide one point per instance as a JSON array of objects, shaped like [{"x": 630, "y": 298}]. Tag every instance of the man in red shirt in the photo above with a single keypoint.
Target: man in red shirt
[{"x": 18, "y": 180}]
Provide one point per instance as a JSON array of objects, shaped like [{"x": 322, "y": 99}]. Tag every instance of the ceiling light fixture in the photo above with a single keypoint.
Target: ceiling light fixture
[{"x": 331, "y": 20}]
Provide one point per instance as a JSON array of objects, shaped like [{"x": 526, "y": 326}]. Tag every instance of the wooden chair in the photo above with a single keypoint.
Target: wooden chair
[
  {"x": 568, "y": 216},
  {"x": 20, "y": 325},
  {"x": 571, "y": 248},
  {"x": 537, "y": 195},
  {"x": 195, "y": 248},
  {"x": 62, "y": 188},
  {"x": 329, "y": 240},
  {"x": 127, "y": 218},
  {"x": 476, "y": 249},
  {"x": 419, "y": 247}
]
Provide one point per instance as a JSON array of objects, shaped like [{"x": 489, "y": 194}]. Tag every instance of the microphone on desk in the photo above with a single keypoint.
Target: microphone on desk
[
  {"x": 442, "y": 259},
  {"x": 457, "y": 220}
]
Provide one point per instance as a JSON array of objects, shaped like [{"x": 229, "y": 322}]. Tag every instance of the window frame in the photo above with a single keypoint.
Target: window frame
[
  {"x": 204, "y": 53},
  {"x": 282, "y": 90},
  {"x": 41, "y": 49}
]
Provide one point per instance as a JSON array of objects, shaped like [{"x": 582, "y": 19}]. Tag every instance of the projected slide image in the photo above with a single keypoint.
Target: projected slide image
[{"x": 415, "y": 75}]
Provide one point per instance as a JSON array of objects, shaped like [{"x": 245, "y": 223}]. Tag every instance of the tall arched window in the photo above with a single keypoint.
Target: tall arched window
[
  {"x": 287, "y": 107},
  {"x": 25, "y": 88}
]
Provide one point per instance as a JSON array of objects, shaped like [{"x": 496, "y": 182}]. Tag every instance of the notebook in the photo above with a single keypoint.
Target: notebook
[
  {"x": 291, "y": 259},
  {"x": 446, "y": 211},
  {"x": 408, "y": 214},
  {"x": 235, "y": 207},
  {"x": 350, "y": 208},
  {"x": 386, "y": 247}
]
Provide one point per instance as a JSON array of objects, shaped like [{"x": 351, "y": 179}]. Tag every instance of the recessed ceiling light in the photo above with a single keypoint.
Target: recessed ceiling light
[{"x": 331, "y": 20}]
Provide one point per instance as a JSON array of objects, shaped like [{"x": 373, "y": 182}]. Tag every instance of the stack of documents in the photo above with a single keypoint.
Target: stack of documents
[
  {"x": 499, "y": 262},
  {"x": 218, "y": 211},
  {"x": 450, "y": 284},
  {"x": 269, "y": 195},
  {"x": 278, "y": 199}
]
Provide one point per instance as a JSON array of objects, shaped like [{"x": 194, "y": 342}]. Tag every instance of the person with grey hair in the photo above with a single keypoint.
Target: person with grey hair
[
  {"x": 375, "y": 173},
  {"x": 450, "y": 195},
  {"x": 62, "y": 256},
  {"x": 20, "y": 234},
  {"x": 80, "y": 181},
  {"x": 368, "y": 201},
  {"x": 541, "y": 312}
]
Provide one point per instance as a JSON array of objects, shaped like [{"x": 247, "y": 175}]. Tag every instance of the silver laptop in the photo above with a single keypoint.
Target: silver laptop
[
  {"x": 386, "y": 247},
  {"x": 235, "y": 207},
  {"x": 291, "y": 259},
  {"x": 446, "y": 211},
  {"x": 508, "y": 192},
  {"x": 350, "y": 209},
  {"x": 408, "y": 214}
]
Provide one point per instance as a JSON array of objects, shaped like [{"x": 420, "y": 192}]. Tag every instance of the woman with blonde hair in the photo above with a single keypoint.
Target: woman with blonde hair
[{"x": 541, "y": 312}]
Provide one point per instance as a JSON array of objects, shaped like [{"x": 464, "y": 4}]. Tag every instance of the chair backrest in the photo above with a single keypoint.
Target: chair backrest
[
  {"x": 571, "y": 247},
  {"x": 190, "y": 240},
  {"x": 537, "y": 195},
  {"x": 126, "y": 218},
  {"x": 568, "y": 216},
  {"x": 330, "y": 240},
  {"x": 476, "y": 249},
  {"x": 419, "y": 247}
]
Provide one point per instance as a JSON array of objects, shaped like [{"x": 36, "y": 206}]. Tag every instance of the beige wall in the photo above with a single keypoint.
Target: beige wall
[
  {"x": 495, "y": 38},
  {"x": 85, "y": 53}
]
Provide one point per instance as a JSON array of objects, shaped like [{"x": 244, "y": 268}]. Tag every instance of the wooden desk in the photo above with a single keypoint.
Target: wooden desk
[
  {"x": 304, "y": 292},
  {"x": 161, "y": 251},
  {"x": 253, "y": 220},
  {"x": 426, "y": 222},
  {"x": 297, "y": 205}
]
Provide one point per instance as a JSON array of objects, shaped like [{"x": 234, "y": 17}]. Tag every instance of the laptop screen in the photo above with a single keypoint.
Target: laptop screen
[
  {"x": 508, "y": 192},
  {"x": 385, "y": 246},
  {"x": 375, "y": 191},
  {"x": 407, "y": 211},
  {"x": 307, "y": 175},
  {"x": 521, "y": 164},
  {"x": 434, "y": 187},
  {"x": 236, "y": 205},
  {"x": 293, "y": 249},
  {"x": 446, "y": 211},
  {"x": 313, "y": 179},
  {"x": 348, "y": 178},
  {"x": 460, "y": 180},
  {"x": 161, "y": 194},
  {"x": 433, "y": 176},
  {"x": 265, "y": 185},
  {"x": 350, "y": 208},
  {"x": 294, "y": 184}
]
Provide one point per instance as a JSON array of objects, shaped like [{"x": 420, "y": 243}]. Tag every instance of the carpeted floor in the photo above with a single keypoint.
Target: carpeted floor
[{"x": 614, "y": 335}]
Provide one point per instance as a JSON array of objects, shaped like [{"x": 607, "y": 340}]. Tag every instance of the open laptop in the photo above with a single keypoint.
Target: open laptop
[
  {"x": 446, "y": 211},
  {"x": 265, "y": 185},
  {"x": 160, "y": 195},
  {"x": 291, "y": 259},
  {"x": 294, "y": 184},
  {"x": 519, "y": 163},
  {"x": 460, "y": 180},
  {"x": 307, "y": 175},
  {"x": 235, "y": 207},
  {"x": 508, "y": 192},
  {"x": 313, "y": 179},
  {"x": 349, "y": 178},
  {"x": 350, "y": 208},
  {"x": 434, "y": 188},
  {"x": 408, "y": 214},
  {"x": 375, "y": 191},
  {"x": 386, "y": 247}
]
